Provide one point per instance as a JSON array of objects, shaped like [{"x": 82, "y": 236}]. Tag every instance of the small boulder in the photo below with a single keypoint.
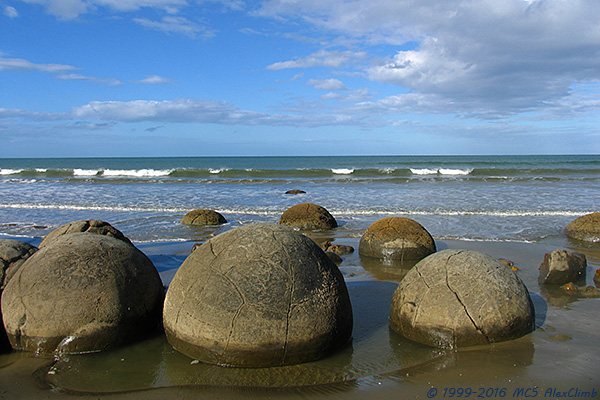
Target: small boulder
[
  {"x": 339, "y": 249},
  {"x": 562, "y": 266},
  {"x": 203, "y": 217},
  {"x": 82, "y": 292},
  {"x": 308, "y": 216},
  {"x": 458, "y": 298},
  {"x": 597, "y": 277},
  {"x": 586, "y": 228},
  {"x": 396, "y": 238},
  {"x": 87, "y": 225},
  {"x": 295, "y": 191},
  {"x": 259, "y": 295},
  {"x": 334, "y": 257}
]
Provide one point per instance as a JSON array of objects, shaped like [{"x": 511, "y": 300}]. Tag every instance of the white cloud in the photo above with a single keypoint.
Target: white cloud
[
  {"x": 78, "y": 77},
  {"x": 327, "y": 84},
  {"x": 70, "y": 9},
  {"x": 323, "y": 58},
  {"x": 63, "y": 9},
  {"x": 155, "y": 80},
  {"x": 10, "y": 12},
  {"x": 471, "y": 56},
  {"x": 173, "y": 24},
  {"x": 24, "y": 65}
]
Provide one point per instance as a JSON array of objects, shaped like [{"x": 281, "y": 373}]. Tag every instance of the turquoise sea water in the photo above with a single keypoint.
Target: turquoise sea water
[{"x": 520, "y": 198}]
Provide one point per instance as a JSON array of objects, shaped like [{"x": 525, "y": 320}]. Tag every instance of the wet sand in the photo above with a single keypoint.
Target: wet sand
[{"x": 561, "y": 355}]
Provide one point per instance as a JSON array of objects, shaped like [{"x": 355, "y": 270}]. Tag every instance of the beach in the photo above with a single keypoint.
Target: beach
[{"x": 517, "y": 215}]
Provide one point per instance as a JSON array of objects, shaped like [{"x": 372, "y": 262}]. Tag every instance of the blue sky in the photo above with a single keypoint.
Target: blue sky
[{"x": 287, "y": 77}]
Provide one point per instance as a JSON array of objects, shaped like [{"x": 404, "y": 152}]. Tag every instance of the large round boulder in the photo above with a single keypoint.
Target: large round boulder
[
  {"x": 81, "y": 293},
  {"x": 203, "y": 217},
  {"x": 259, "y": 295},
  {"x": 13, "y": 253},
  {"x": 457, "y": 298},
  {"x": 86, "y": 225},
  {"x": 586, "y": 227},
  {"x": 308, "y": 216},
  {"x": 396, "y": 238}
]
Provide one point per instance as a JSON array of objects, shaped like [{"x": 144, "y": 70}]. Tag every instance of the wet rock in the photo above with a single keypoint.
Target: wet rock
[
  {"x": 597, "y": 277},
  {"x": 586, "y": 291},
  {"x": 586, "y": 228},
  {"x": 562, "y": 266},
  {"x": 339, "y": 249},
  {"x": 87, "y": 225},
  {"x": 295, "y": 191},
  {"x": 457, "y": 298},
  {"x": 334, "y": 257},
  {"x": 13, "y": 254},
  {"x": 203, "y": 217},
  {"x": 396, "y": 238},
  {"x": 256, "y": 296},
  {"x": 82, "y": 292},
  {"x": 308, "y": 216}
]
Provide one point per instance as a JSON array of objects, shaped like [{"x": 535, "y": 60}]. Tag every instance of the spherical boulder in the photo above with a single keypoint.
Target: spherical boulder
[
  {"x": 396, "y": 238},
  {"x": 586, "y": 228},
  {"x": 307, "y": 216},
  {"x": 203, "y": 217},
  {"x": 259, "y": 295},
  {"x": 82, "y": 292},
  {"x": 458, "y": 298},
  {"x": 86, "y": 225}
]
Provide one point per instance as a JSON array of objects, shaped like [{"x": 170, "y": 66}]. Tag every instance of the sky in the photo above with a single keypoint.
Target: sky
[{"x": 87, "y": 78}]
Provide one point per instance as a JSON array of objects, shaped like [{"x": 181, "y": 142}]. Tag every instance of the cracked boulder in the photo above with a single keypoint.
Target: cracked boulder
[
  {"x": 396, "y": 238},
  {"x": 586, "y": 228},
  {"x": 202, "y": 217},
  {"x": 86, "y": 225},
  {"x": 259, "y": 295},
  {"x": 308, "y": 216},
  {"x": 13, "y": 254},
  {"x": 458, "y": 298},
  {"x": 82, "y": 293}
]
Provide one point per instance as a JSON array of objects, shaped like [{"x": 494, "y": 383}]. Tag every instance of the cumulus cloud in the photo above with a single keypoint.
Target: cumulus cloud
[
  {"x": 327, "y": 84},
  {"x": 475, "y": 55},
  {"x": 323, "y": 58}
]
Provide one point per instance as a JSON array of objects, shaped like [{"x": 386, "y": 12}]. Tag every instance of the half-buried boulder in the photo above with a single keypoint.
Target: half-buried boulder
[
  {"x": 259, "y": 295},
  {"x": 308, "y": 216},
  {"x": 562, "y": 266},
  {"x": 586, "y": 228},
  {"x": 86, "y": 225},
  {"x": 396, "y": 238},
  {"x": 82, "y": 293},
  {"x": 203, "y": 217},
  {"x": 457, "y": 298}
]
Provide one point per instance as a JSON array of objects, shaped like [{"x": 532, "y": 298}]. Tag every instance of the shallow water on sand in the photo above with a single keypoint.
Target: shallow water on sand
[{"x": 562, "y": 353}]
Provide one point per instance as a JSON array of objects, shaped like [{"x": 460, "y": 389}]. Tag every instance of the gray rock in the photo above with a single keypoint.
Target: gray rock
[
  {"x": 457, "y": 298},
  {"x": 308, "y": 216},
  {"x": 86, "y": 225},
  {"x": 295, "y": 191},
  {"x": 586, "y": 228},
  {"x": 256, "y": 296},
  {"x": 203, "y": 217},
  {"x": 396, "y": 238},
  {"x": 83, "y": 292},
  {"x": 562, "y": 266}
]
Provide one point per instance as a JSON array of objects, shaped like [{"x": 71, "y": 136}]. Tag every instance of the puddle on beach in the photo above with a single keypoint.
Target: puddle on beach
[{"x": 562, "y": 351}]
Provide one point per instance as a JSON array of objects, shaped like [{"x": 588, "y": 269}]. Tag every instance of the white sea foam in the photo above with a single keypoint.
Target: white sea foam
[
  {"x": 138, "y": 173},
  {"x": 215, "y": 170},
  {"x": 85, "y": 172},
  {"x": 449, "y": 171},
  {"x": 10, "y": 171},
  {"x": 423, "y": 171},
  {"x": 342, "y": 171}
]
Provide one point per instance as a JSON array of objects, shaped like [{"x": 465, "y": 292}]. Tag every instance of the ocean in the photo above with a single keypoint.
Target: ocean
[{"x": 489, "y": 198}]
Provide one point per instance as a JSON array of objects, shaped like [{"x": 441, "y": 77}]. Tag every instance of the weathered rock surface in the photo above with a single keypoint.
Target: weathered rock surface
[
  {"x": 562, "y": 266},
  {"x": 396, "y": 238},
  {"x": 457, "y": 298},
  {"x": 256, "y": 296},
  {"x": 13, "y": 253},
  {"x": 339, "y": 249},
  {"x": 82, "y": 292},
  {"x": 87, "y": 225},
  {"x": 203, "y": 217},
  {"x": 295, "y": 191},
  {"x": 586, "y": 227},
  {"x": 308, "y": 216}
]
